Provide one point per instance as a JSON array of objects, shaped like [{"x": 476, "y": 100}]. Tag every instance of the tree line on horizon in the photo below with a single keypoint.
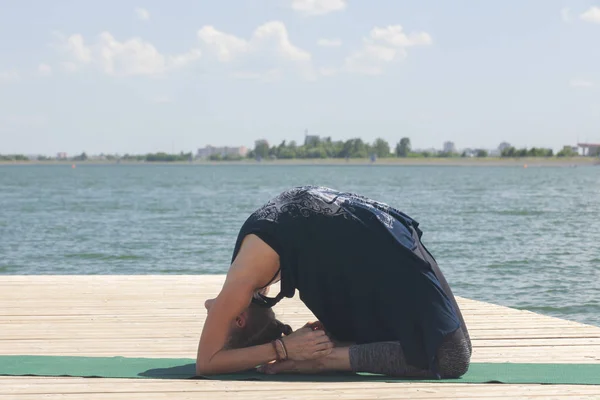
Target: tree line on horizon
[
  {"x": 315, "y": 148},
  {"x": 151, "y": 157},
  {"x": 319, "y": 148}
]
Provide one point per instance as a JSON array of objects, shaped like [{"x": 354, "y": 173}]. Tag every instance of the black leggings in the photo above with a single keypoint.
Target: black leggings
[{"x": 453, "y": 356}]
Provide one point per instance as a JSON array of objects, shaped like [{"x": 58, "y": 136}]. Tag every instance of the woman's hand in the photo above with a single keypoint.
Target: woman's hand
[
  {"x": 307, "y": 344},
  {"x": 314, "y": 325},
  {"x": 338, "y": 361}
]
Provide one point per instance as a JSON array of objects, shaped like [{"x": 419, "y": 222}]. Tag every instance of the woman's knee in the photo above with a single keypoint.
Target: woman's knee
[{"x": 454, "y": 356}]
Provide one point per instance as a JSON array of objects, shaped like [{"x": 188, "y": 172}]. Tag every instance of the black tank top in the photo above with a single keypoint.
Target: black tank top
[{"x": 359, "y": 266}]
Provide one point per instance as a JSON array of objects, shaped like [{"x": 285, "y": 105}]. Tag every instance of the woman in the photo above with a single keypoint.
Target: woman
[{"x": 382, "y": 304}]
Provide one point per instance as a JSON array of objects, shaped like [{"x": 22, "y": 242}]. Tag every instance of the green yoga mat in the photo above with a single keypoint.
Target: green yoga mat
[{"x": 183, "y": 368}]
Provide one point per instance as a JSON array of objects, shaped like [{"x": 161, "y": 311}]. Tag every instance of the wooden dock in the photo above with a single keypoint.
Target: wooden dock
[{"x": 162, "y": 316}]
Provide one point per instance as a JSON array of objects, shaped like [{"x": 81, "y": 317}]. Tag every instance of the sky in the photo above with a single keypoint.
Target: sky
[{"x": 150, "y": 75}]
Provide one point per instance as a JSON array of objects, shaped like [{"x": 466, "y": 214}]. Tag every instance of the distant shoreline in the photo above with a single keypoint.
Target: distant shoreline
[{"x": 420, "y": 161}]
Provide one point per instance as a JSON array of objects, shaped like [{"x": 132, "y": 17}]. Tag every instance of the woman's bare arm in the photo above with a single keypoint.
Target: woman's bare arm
[{"x": 254, "y": 266}]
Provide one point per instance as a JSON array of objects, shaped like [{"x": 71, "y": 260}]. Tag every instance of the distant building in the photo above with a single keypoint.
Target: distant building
[
  {"x": 61, "y": 156},
  {"x": 590, "y": 149},
  {"x": 208, "y": 151},
  {"x": 449, "y": 147}
]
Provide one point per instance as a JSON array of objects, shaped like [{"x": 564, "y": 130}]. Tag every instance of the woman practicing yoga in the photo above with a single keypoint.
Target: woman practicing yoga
[{"x": 382, "y": 304}]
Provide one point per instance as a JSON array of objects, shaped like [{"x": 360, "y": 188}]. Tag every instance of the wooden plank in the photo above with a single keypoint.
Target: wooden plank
[
  {"x": 311, "y": 394},
  {"x": 408, "y": 390},
  {"x": 162, "y": 316}
]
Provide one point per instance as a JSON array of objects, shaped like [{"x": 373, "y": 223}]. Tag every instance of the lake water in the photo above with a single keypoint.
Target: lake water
[{"x": 522, "y": 237}]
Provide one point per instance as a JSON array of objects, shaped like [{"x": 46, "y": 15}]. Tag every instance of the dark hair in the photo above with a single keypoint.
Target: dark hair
[{"x": 261, "y": 327}]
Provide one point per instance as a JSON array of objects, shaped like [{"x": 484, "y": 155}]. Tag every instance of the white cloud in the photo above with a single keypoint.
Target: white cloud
[
  {"x": 226, "y": 46},
  {"x": 591, "y": 15},
  {"x": 269, "y": 37},
  {"x": 268, "y": 49},
  {"x": 131, "y": 57},
  {"x": 76, "y": 46},
  {"x": 581, "y": 83},
  {"x": 318, "y": 7},
  {"x": 329, "y": 42},
  {"x": 184, "y": 59},
  {"x": 142, "y": 14},
  {"x": 9, "y": 76},
  {"x": 382, "y": 46},
  {"x": 372, "y": 58},
  {"x": 565, "y": 14},
  {"x": 44, "y": 70},
  {"x": 394, "y": 36},
  {"x": 265, "y": 55}
]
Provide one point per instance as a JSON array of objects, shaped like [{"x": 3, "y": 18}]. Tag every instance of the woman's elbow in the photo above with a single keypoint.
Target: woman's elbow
[{"x": 203, "y": 367}]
